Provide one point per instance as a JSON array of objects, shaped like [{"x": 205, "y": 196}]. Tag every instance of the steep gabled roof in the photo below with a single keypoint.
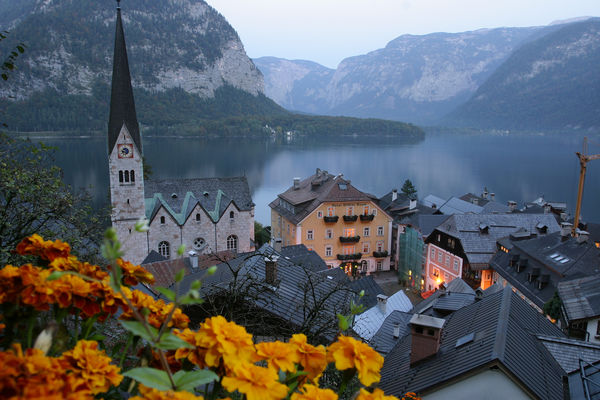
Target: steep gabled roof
[
  {"x": 369, "y": 322},
  {"x": 504, "y": 332},
  {"x": 122, "y": 105}
]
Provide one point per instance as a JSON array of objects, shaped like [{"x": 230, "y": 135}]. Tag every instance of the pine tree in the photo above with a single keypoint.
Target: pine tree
[{"x": 409, "y": 189}]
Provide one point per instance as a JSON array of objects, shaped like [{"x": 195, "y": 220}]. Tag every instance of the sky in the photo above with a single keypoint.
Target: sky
[{"x": 327, "y": 31}]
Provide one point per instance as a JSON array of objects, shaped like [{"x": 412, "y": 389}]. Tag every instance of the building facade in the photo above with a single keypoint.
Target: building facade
[
  {"x": 345, "y": 226},
  {"x": 204, "y": 214},
  {"x": 441, "y": 266}
]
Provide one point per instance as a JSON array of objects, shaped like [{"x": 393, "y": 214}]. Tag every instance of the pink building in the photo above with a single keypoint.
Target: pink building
[{"x": 441, "y": 266}]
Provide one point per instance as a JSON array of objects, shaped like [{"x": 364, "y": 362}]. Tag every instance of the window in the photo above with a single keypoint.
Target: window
[
  {"x": 366, "y": 247},
  {"x": 162, "y": 219},
  {"x": 379, "y": 265},
  {"x": 197, "y": 217},
  {"x": 380, "y": 246},
  {"x": 349, "y": 250},
  {"x": 232, "y": 243},
  {"x": 364, "y": 265},
  {"x": 132, "y": 175},
  {"x": 374, "y": 212},
  {"x": 198, "y": 243},
  {"x": 349, "y": 232},
  {"x": 448, "y": 261},
  {"x": 456, "y": 265},
  {"x": 380, "y": 231},
  {"x": 439, "y": 238},
  {"x": 331, "y": 211},
  {"x": 436, "y": 272},
  {"x": 231, "y": 215},
  {"x": 432, "y": 253},
  {"x": 309, "y": 234},
  {"x": 164, "y": 249},
  {"x": 319, "y": 214},
  {"x": 440, "y": 257},
  {"x": 126, "y": 176},
  {"x": 350, "y": 211},
  {"x": 328, "y": 251},
  {"x": 451, "y": 243},
  {"x": 366, "y": 231},
  {"x": 121, "y": 176},
  {"x": 598, "y": 329},
  {"x": 366, "y": 210},
  {"x": 328, "y": 233}
]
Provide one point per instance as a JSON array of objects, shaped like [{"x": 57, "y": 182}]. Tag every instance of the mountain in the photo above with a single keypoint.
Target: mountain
[
  {"x": 184, "y": 56},
  {"x": 548, "y": 83},
  {"x": 414, "y": 78}
]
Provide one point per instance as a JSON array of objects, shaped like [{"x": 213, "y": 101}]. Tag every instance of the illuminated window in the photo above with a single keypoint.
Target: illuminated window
[
  {"x": 164, "y": 249},
  {"x": 350, "y": 211},
  {"x": 366, "y": 210},
  {"x": 328, "y": 251},
  {"x": 436, "y": 272},
  {"x": 309, "y": 234},
  {"x": 319, "y": 214},
  {"x": 366, "y": 231},
  {"x": 349, "y": 232},
  {"x": 380, "y": 246},
  {"x": 380, "y": 231},
  {"x": 366, "y": 247},
  {"x": 331, "y": 211},
  {"x": 349, "y": 250},
  {"x": 328, "y": 233}
]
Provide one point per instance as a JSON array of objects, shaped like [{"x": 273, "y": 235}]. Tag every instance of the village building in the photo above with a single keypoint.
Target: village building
[
  {"x": 204, "y": 214},
  {"x": 342, "y": 224}
]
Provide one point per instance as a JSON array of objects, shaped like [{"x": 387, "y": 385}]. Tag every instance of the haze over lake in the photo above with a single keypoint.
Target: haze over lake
[{"x": 519, "y": 167}]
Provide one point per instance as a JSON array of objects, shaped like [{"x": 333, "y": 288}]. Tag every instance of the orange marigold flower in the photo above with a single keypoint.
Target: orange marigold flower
[
  {"x": 35, "y": 245},
  {"x": 279, "y": 355},
  {"x": 411, "y": 396},
  {"x": 313, "y": 359},
  {"x": 153, "y": 394},
  {"x": 91, "y": 366},
  {"x": 312, "y": 392},
  {"x": 349, "y": 353},
  {"x": 159, "y": 310},
  {"x": 257, "y": 383},
  {"x": 377, "y": 394},
  {"x": 134, "y": 274}
]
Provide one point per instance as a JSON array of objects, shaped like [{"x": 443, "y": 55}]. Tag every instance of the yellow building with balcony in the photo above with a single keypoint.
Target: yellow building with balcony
[{"x": 345, "y": 226}]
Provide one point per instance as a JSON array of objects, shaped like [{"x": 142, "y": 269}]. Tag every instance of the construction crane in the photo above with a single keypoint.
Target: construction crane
[{"x": 583, "y": 159}]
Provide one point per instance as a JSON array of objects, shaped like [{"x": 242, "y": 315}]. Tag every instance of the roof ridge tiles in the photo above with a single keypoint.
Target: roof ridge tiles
[{"x": 502, "y": 327}]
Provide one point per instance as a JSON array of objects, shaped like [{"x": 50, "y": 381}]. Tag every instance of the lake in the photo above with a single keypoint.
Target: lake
[{"x": 519, "y": 167}]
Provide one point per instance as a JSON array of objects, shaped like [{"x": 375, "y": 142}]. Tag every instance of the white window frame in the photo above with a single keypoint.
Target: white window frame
[
  {"x": 319, "y": 214},
  {"x": 310, "y": 234},
  {"x": 366, "y": 247},
  {"x": 350, "y": 211},
  {"x": 380, "y": 231},
  {"x": 379, "y": 265},
  {"x": 380, "y": 245},
  {"x": 366, "y": 231},
  {"x": 232, "y": 243},
  {"x": 328, "y": 233},
  {"x": 331, "y": 211},
  {"x": 328, "y": 251},
  {"x": 164, "y": 249}
]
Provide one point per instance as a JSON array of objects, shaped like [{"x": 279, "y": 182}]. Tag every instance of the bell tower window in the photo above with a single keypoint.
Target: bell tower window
[
  {"x": 121, "y": 176},
  {"x": 126, "y": 176},
  {"x": 132, "y": 175}
]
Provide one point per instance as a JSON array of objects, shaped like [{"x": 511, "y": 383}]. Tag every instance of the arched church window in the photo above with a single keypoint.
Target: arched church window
[
  {"x": 231, "y": 215},
  {"x": 198, "y": 243},
  {"x": 126, "y": 176},
  {"x": 198, "y": 217},
  {"x": 162, "y": 219},
  {"x": 164, "y": 249},
  {"x": 232, "y": 243},
  {"x": 121, "y": 176},
  {"x": 132, "y": 175}
]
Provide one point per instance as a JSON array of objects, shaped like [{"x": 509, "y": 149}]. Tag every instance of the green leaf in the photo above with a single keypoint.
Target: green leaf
[
  {"x": 56, "y": 275},
  {"x": 168, "y": 293},
  {"x": 188, "y": 380},
  {"x": 168, "y": 341},
  {"x": 196, "y": 285},
  {"x": 137, "y": 328},
  {"x": 190, "y": 299},
  {"x": 150, "y": 377},
  {"x": 343, "y": 322},
  {"x": 97, "y": 337},
  {"x": 21, "y": 49},
  {"x": 179, "y": 275}
]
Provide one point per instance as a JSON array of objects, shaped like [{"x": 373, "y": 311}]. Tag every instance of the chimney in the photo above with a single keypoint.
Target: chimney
[
  {"x": 492, "y": 196},
  {"x": 396, "y": 332},
  {"x": 547, "y": 208},
  {"x": 277, "y": 245},
  {"x": 485, "y": 193},
  {"x": 296, "y": 183},
  {"x": 412, "y": 204},
  {"x": 565, "y": 230},
  {"x": 394, "y": 194},
  {"x": 582, "y": 236},
  {"x": 271, "y": 269},
  {"x": 382, "y": 303},
  {"x": 478, "y": 294},
  {"x": 425, "y": 336},
  {"x": 512, "y": 205},
  {"x": 193, "y": 260},
  {"x": 475, "y": 201}
]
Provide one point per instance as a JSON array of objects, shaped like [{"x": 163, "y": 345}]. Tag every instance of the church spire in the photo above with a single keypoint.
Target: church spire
[{"x": 122, "y": 105}]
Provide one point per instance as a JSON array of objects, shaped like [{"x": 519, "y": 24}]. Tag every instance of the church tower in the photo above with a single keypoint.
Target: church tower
[{"x": 125, "y": 155}]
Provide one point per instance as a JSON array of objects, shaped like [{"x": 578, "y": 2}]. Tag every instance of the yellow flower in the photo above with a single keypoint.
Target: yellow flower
[
  {"x": 279, "y": 355},
  {"x": 226, "y": 340},
  {"x": 376, "y": 395},
  {"x": 350, "y": 353},
  {"x": 311, "y": 392},
  {"x": 257, "y": 383},
  {"x": 48, "y": 250},
  {"x": 153, "y": 394},
  {"x": 312, "y": 358}
]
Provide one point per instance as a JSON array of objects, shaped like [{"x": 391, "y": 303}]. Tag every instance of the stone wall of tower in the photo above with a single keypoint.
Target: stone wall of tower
[{"x": 127, "y": 197}]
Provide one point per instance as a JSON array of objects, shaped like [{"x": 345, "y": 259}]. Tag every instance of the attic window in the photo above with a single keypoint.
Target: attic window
[
  {"x": 465, "y": 339},
  {"x": 198, "y": 217},
  {"x": 173, "y": 195},
  {"x": 205, "y": 194},
  {"x": 162, "y": 219},
  {"x": 343, "y": 186},
  {"x": 483, "y": 228}
]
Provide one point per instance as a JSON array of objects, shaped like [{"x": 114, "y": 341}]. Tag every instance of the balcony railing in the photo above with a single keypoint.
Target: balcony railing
[
  {"x": 355, "y": 256},
  {"x": 349, "y": 239},
  {"x": 367, "y": 217},
  {"x": 331, "y": 219},
  {"x": 350, "y": 218},
  {"x": 380, "y": 254}
]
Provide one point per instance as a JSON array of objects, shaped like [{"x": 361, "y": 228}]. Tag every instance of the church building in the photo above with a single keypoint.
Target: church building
[{"x": 207, "y": 215}]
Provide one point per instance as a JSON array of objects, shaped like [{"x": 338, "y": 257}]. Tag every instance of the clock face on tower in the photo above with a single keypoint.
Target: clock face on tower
[{"x": 125, "y": 150}]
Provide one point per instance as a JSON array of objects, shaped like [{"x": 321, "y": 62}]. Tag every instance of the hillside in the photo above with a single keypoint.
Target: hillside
[{"x": 549, "y": 83}]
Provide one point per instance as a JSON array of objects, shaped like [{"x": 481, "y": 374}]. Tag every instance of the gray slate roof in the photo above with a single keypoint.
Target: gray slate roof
[
  {"x": 300, "y": 255},
  {"x": 454, "y": 205},
  {"x": 180, "y": 196},
  {"x": 122, "y": 105},
  {"x": 578, "y": 260},
  {"x": 428, "y": 223},
  {"x": 581, "y": 297},
  {"x": 505, "y": 332},
  {"x": 383, "y": 341},
  {"x": 371, "y": 288},
  {"x": 368, "y": 323},
  {"x": 457, "y": 295},
  {"x": 480, "y": 245}
]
